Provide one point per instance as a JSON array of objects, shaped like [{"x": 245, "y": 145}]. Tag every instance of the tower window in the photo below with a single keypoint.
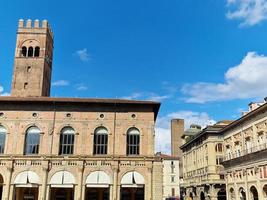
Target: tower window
[
  {"x": 30, "y": 52},
  {"x": 28, "y": 69},
  {"x": 24, "y": 51},
  {"x": 25, "y": 85},
  {"x": 37, "y": 52}
]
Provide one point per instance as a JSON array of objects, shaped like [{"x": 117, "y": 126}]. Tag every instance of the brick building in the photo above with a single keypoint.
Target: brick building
[{"x": 70, "y": 148}]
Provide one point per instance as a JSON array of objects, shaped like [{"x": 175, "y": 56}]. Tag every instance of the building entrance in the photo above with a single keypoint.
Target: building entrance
[
  {"x": 132, "y": 193},
  {"x": 97, "y": 194},
  {"x": 26, "y": 193},
  {"x": 62, "y": 194}
]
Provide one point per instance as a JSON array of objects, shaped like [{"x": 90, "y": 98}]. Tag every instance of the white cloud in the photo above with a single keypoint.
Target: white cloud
[
  {"x": 2, "y": 93},
  {"x": 81, "y": 87},
  {"x": 250, "y": 12},
  {"x": 246, "y": 80},
  {"x": 150, "y": 96},
  {"x": 83, "y": 54},
  {"x": 163, "y": 132},
  {"x": 60, "y": 83}
]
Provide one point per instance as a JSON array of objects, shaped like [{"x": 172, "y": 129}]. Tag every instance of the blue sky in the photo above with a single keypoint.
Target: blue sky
[{"x": 204, "y": 60}]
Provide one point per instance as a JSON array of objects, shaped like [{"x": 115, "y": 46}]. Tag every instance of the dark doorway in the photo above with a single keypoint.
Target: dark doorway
[
  {"x": 62, "y": 194},
  {"x": 132, "y": 194},
  {"x": 221, "y": 195},
  {"x": 202, "y": 196},
  {"x": 97, "y": 194},
  {"x": 26, "y": 193}
]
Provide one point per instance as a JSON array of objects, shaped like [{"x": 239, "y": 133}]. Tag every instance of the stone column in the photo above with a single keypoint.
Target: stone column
[
  {"x": 48, "y": 190},
  {"x": 78, "y": 188},
  {"x": 7, "y": 188},
  {"x": 149, "y": 184},
  {"x": 42, "y": 193},
  {"x": 116, "y": 188},
  {"x": 83, "y": 192}
]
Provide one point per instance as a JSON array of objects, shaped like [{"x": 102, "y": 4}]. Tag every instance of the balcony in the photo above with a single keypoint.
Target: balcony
[{"x": 252, "y": 154}]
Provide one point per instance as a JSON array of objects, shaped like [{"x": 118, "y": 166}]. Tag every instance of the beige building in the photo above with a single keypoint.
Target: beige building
[
  {"x": 70, "y": 148},
  {"x": 202, "y": 156},
  {"x": 245, "y": 158},
  {"x": 171, "y": 179}
]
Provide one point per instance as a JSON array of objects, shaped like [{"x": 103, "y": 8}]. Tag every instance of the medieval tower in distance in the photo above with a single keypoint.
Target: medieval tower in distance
[{"x": 33, "y": 59}]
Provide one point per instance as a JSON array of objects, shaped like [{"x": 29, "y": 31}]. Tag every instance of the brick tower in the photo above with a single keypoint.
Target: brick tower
[{"x": 33, "y": 60}]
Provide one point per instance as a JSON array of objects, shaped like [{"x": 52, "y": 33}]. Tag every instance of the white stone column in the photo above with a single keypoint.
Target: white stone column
[
  {"x": 83, "y": 192},
  {"x": 42, "y": 190},
  {"x": 149, "y": 184},
  {"x": 78, "y": 187},
  {"x": 48, "y": 190},
  {"x": 116, "y": 187},
  {"x": 7, "y": 188}
]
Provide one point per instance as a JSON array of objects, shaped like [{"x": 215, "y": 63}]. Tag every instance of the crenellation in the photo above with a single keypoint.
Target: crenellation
[
  {"x": 45, "y": 24},
  {"x": 36, "y": 23},
  {"x": 21, "y": 23},
  {"x": 29, "y": 23}
]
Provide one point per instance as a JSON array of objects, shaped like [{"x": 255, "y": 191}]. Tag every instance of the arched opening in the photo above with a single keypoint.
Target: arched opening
[
  {"x": 36, "y": 51},
  {"x": 191, "y": 196},
  {"x": 221, "y": 195},
  {"x": 219, "y": 147},
  {"x": 62, "y": 186},
  {"x": 24, "y": 51},
  {"x": 32, "y": 140},
  {"x": 133, "y": 141},
  {"x": 66, "y": 141},
  {"x": 254, "y": 193},
  {"x": 132, "y": 186},
  {"x": 101, "y": 141},
  {"x": 242, "y": 194},
  {"x": 97, "y": 186},
  {"x": 27, "y": 186},
  {"x": 30, "y": 52},
  {"x": 265, "y": 191},
  {"x": 202, "y": 196},
  {"x": 232, "y": 194}
]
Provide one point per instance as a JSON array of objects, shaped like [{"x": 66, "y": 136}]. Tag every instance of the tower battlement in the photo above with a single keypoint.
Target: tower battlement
[{"x": 26, "y": 25}]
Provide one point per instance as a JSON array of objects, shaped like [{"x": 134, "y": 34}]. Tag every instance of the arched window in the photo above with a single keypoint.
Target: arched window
[
  {"x": 133, "y": 141},
  {"x": 32, "y": 140},
  {"x": 219, "y": 147},
  {"x": 101, "y": 141},
  {"x": 3, "y": 132},
  {"x": 66, "y": 141},
  {"x": 36, "y": 51},
  {"x": 24, "y": 51},
  {"x": 30, "y": 52}
]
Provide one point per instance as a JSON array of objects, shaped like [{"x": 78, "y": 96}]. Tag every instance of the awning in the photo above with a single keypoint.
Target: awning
[
  {"x": 27, "y": 179},
  {"x": 62, "y": 179},
  {"x": 98, "y": 179},
  {"x": 132, "y": 179}
]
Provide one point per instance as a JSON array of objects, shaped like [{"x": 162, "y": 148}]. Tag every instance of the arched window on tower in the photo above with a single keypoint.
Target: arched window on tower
[
  {"x": 66, "y": 141},
  {"x": 24, "y": 51},
  {"x": 3, "y": 132},
  {"x": 101, "y": 141},
  {"x": 133, "y": 141},
  {"x": 30, "y": 52},
  {"x": 36, "y": 51},
  {"x": 32, "y": 140}
]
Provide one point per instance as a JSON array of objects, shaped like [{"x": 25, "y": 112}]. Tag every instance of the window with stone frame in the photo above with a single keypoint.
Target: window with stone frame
[
  {"x": 67, "y": 136},
  {"x": 133, "y": 142},
  {"x": 32, "y": 140},
  {"x": 101, "y": 141},
  {"x": 3, "y": 133}
]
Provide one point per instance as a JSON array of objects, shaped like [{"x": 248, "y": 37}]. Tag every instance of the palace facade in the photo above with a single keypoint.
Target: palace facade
[
  {"x": 203, "y": 176},
  {"x": 245, "y": 160},
  {"x": 71, "y": 148}
]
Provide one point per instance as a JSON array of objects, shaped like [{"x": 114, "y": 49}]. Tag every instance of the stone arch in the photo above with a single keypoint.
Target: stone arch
[
  {"x": 242, "y": 193},
  {"x": 132, "y": 177},
  {"x": 254, "y": 193},
  {"x": 232, "y": 194},
  {"x": 264, "y": 191}
]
